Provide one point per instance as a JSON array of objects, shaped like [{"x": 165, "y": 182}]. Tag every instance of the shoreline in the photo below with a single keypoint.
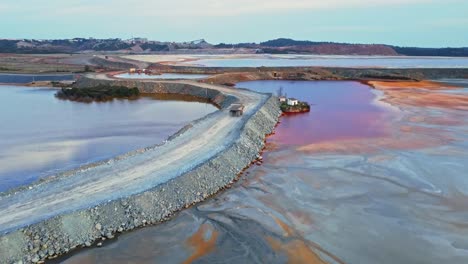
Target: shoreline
[
  {"x": 223, "y": 206},
  {"x": 123, "y": 206},
  {"x": 76, "y": 228}
]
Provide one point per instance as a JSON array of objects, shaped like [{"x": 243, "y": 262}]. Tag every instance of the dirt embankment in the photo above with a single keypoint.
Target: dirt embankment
[
  {"x": 144, "y": 187},
  {"x": 234, "y": 75},
  {"x": 30, "y": 63},
  {"x": 65, "y": 63},
  {"x": 116, "y": 63}
]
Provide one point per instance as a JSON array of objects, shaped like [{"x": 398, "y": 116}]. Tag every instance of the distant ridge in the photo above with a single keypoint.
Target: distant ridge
[
  {"x": 276, "y": 46},
  {"x": 283, "y": 42},
  {"x": 283, "y": 45}
]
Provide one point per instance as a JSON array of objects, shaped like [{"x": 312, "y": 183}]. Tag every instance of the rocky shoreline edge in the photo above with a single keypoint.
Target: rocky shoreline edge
[{"x": 63, "y": 233}]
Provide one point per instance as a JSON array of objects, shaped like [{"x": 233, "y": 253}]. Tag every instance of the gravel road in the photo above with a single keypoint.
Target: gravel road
[{"x": 129, "y": 175}]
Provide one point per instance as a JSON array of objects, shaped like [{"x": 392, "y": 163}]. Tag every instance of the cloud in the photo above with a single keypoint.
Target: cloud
[
  {"x": 38, "y": 155},
  {"x": 199, "y": 8},
  {"x": 3, "y": 7},
  {"x": 243, "y": 7},
  {"x": 448, "y": 22},
  {"x": 348, "y": 28}
]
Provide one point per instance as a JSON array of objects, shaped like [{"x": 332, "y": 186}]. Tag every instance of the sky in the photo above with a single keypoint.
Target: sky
[{"x": 423, "y": 23}]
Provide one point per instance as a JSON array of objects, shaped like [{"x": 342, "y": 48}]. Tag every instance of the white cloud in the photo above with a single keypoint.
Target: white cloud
[
  {"x": 38, "y": 155},
  {"x": 199, "y": 7},
  {"x": 348, "y": 28},
  {"x": 240, "y": 7},
  {"x": 3, "y": 7},
  {"x": 448, "y": 22}
]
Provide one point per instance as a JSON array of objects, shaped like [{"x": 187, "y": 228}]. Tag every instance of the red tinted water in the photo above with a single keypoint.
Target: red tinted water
[{"x": 339, "y": 110}]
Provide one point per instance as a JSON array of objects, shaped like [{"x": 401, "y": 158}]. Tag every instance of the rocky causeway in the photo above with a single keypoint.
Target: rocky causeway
[{"x": 80, "y": 207}]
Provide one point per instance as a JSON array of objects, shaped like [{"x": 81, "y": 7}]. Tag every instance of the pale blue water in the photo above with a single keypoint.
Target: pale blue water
[
  {"x": 27, "y": 78},
  {"x": 336, "y": 61},
  {"x": 41, "y": 135},
  {"x": 168, "y": 76},
  {"x": 455, "y": 82}
]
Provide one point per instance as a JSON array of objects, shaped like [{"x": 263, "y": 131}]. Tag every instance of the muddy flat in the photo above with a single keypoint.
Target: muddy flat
[
  {"x": 130, "y": 174},
  {"x": 390, "y": 187}
]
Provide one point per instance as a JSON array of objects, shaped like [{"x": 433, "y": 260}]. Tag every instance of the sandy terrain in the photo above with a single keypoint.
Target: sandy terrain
[
  {"x": 420, "y": 131},
  {"x": 53, "y": 63},
  {"x": 425, "y": 93}
]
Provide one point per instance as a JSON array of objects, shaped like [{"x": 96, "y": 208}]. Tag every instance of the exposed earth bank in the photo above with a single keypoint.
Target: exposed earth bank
[
  {"x": 230, "y": 76},
  {"x": 77, "y": 208}
]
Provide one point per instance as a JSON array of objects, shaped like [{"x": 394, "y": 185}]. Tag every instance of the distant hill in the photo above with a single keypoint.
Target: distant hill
[
  {"x": 284, "y": 45},
  {"x": 276, "y": 46},
  {"x": 78, "y": 45},
  {"x": 62, "y": 45},
  {"x": 447, "y": 52},
  {"x": 308, "y": 47},
  {"x": 285, "y": 42}
]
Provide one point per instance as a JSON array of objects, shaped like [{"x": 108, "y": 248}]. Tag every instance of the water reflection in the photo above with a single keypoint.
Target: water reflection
[
  {"x": 42, "y": 135},
  {"x": 330, "y": 61},
  {"x": 339, "y": 110},
  {"x": 162, "y": 76},
  {"x": 27, "y": 78}
]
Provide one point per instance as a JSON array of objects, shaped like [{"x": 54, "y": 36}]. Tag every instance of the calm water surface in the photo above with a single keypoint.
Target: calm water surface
[
  {"x": 41, "y": 135},
  {"x": 334, "y": 61},
  {"x": 27, "y": 78},
  {"x": 162, "y": 76},
  {"x": 339, "y": 110}
]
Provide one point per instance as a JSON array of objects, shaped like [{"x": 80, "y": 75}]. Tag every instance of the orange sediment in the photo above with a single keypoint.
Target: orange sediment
[
  {"x": 412, "y": 134},
  {"x": 362, "y": 145},
  {"x": 395, "y": 85},
  {"x": 297, "y": 249},
  {"x": 288, "y": 231},
  {"x": 421, "y": 94},
  {"x": 200, "y": 244},
  {"x": 177, "y": 62}
]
